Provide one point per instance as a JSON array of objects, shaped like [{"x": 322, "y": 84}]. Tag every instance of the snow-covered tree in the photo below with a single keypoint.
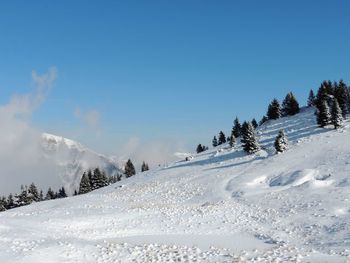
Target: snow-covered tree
[
  {"x": 274, "y": 110},
  {"x": 222, "y": 138},
  {"x": 341, "y": 95},
  {"x": 290, "y": 105},
  {"x": 336, "y": 115},
  {"x": 85, "y": 185},
  {"x": 236, "y": 129},
  {"x": 33, "y": 193},
  {"x": 281, "y": 142},
  {"x": 263, "y": 120},
  {"x": 3, "y": 203},
  {"x": 10, "y": 202},
  {"x": 323, "y": 114},
  {"x": 249, "y": 139},
  {"x": 129, "y": 169},
  {"x": 215, "y": 142},
  {"x": 61, "y": 193},
  {"x": 22, "y": 198}
]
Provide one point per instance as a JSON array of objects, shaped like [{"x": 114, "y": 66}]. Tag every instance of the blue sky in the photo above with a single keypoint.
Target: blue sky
[{"x": 176, "y": 71}]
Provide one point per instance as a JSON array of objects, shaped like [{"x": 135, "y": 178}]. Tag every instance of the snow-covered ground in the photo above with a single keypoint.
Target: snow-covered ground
[{"x": 222, "y": 206}]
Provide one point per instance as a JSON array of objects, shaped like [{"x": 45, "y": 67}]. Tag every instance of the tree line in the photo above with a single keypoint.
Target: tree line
[{"x": 332, "y": 103}]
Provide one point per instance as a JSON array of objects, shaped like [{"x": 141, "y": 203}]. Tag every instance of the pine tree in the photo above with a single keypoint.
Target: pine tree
[
  {"x": 33, "y": 193},
  {"x": 232, "y": 140},
  {"x": 254, "y": 123},
  {"x": 10, "y": 202},
  {"x": 290, "y": 105},
  {"x": 323, "y": 114},
  {"x": 61, "y": 193},
  {"x": 250, "y": 143},
  {"x": 274, "y": 110},
  {"x": 144, "y": 166},
  {"x": 311, "y": 99},
  {"x": 222, "y": 138},
  {"x": 41, "y": 195},
  {"x": 85, "y": 185},
  {"x": 129, "y": 169},
  {"x": 98, "y": 179},
  {"x": 341, "y": 95},
  {"x": 336, "y": 115},
  {"x": 50, "y": 194},
  {"x": 22, "y": 198},
  {"x": 236, "y": 129},
  {"x": 281, "y": 142},
  {"x": 198, "y": 150},
  {"x": 215, "y": 142},
  {"x": 322, "y": 95},
  {"x": 3, "y": 204}
]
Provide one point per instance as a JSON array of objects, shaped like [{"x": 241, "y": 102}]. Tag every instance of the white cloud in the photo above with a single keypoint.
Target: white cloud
[
  {"x": 157, "y": 152},
  {"x": 19, "y": 151},
  {"x": 90, "y": 118}
]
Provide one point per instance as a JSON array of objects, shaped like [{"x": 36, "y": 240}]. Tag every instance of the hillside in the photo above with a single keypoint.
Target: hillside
[{"x": 221, "y": 206}]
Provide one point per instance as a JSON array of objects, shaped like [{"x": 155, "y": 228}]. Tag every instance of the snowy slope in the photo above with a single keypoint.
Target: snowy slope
[
  {"x": 71, "y": 159},
  {"x": 222, "y": 206}
]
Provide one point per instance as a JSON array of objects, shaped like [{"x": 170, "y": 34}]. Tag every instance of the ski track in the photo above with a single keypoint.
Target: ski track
[{"x": 222, "y": 206}]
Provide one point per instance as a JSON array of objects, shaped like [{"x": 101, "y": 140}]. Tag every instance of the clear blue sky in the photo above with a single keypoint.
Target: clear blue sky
[{"x": 177, "y": 70}]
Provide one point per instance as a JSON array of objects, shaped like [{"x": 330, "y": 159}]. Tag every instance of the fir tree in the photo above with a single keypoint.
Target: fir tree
[
  {"x": 22, "y": 198},
  {"x": 341, "y": 95},
  {"x": 222, "y": 138},
  {"x": 33, "y": 193},
  {"x": 3, "y": 204},
  {"x": 199, "y": 149},
  {"x": 236, "y": 129},
  {"x": 249, "y": 140},
  {"x": 50, "y": 194},
  {"x": 41, "y": 195},
  {"x": 311, "y": 99},
  {"x": 290, "y": 105},
  {"x": 336, "y": 115},
  {"x": 10, "y": 202},
  {"x": 61, "y": 193},
  {"x": 281, "y": 142},
  {"x": 98, "y": 179},
  {"x": 274, "y": 110},
  {"x": 322, "y": 95},
  {"x": 85, "y": 185},
  {"x": 144, "y": 166},
  {"x": 254, "y": 123},
  {"x": 215, "y": 142},
  {"x": 129, "y": 169},
  {"x": 323, "y": 114}
]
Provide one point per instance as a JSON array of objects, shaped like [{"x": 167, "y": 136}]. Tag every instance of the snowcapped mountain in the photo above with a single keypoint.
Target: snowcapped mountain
[
  {"x": 72, "y": 159},
  {"x": 221, "y": 206}
]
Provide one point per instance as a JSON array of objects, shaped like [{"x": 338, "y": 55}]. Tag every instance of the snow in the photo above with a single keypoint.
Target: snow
[{"x": 221, "y": 206}]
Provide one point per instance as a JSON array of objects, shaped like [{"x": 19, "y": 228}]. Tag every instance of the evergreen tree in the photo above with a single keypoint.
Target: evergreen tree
[
  {"x": 33, "y": 193},
  {"x": 323, "y": 114},
  {"x": 274, "y": 110},
  {"x": 50, "y": 194},
  {"x": 222, "y": 138},
  {"x": 336, "y": 115},
  {"x": 75, "y": 193},
  {"x": 232, "y": 140},
  {"x": 85, "y": 185},
  {"x": 236, "y": 129},
  {"x": 98, "y": 179},
  {"x": 322, "y": 95},
  {"x": 341, "y": 95},
  {"x": 254, "y": 123},
  {"x": 263, "y": 120},
  {"x": 10, "y": 202},
  {"x": 215, "y": 142},
  {"x": 311, "y": 99},
  {"x": 3, "y": 204},
  {"x": 41, "y": 195},
  {"x": 61, "y": 193},
  {"x": 290, "y": 105},
  {"x": 22, "y": 198},
  {"x": 129, "y": 169},
  {"x": 144, "y": 166},
  {"x": 198, "y": 150},
  {"x": 249, "y": 140},
  {"x": 281, "y": 142}
]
